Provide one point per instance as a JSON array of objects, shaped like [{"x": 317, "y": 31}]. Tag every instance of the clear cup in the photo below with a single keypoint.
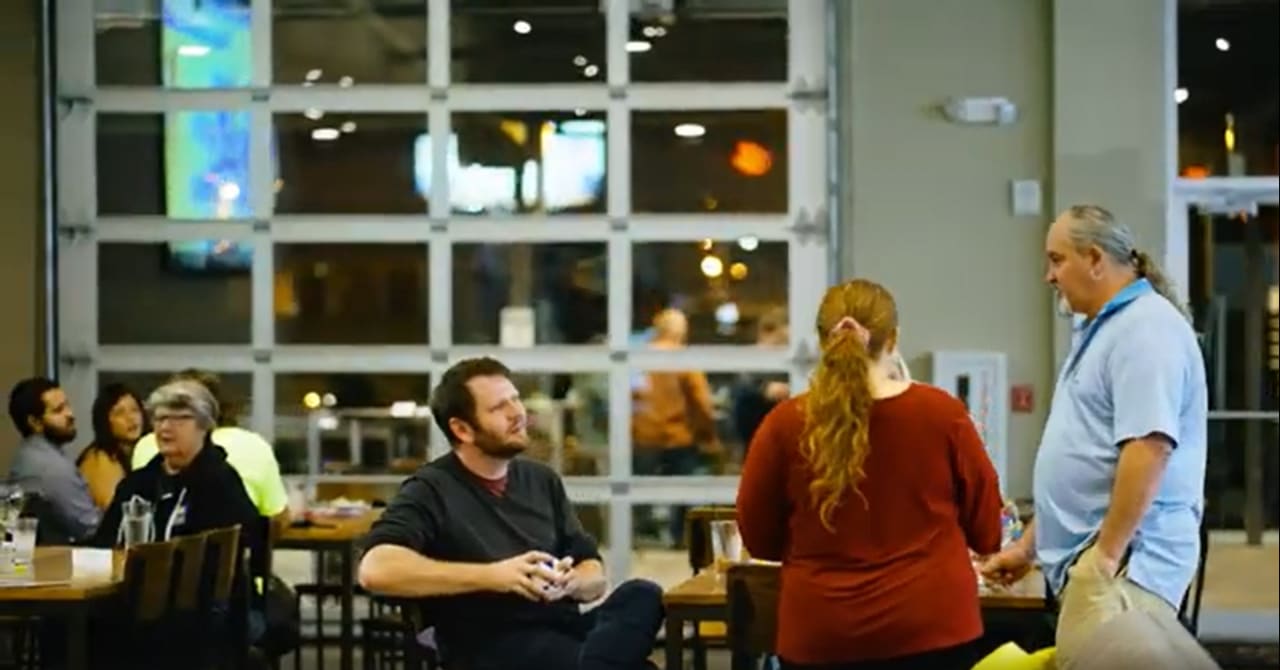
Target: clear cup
[
  {"x": 726, "y": 545},
  {"x": 136, "y": 525},
  {"x": 23, "y": 532}
]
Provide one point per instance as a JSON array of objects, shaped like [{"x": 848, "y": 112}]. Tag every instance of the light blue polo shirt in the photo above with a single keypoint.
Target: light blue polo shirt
[{"x": 1136, "y": 369}]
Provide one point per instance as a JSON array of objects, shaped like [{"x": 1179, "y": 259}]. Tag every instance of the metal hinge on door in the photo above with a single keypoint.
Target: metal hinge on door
[
  {"x": 810, "y": 227},
  {"x": 71, "y": 359},
  {"x": 74, "y": 231},
  {"x": 805, "y": 356}
]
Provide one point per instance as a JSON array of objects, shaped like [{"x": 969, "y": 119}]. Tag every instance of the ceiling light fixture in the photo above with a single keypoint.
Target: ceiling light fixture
[{"x": 690, "y": 130}]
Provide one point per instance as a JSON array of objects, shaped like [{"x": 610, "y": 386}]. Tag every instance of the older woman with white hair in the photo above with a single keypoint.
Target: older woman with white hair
[{"x": 189, "y": 484}]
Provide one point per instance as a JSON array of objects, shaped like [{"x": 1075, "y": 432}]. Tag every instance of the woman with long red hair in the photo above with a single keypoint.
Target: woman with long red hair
[{"x": 871, "y": 490}]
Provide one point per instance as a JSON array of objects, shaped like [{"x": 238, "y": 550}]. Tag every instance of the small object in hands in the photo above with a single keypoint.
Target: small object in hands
[{"x": 555, "y": 590}]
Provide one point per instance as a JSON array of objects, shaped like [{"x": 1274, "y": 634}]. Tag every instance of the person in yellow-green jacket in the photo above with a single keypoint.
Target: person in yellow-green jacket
[{"x": 248, "y": 453}]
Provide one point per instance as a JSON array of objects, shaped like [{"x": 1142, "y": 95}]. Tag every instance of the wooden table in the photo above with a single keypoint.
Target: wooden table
[
  {"x": 57, "y": 588},
  {"x": 704, "y": 597},
  {"x": 336, "y": 534}
]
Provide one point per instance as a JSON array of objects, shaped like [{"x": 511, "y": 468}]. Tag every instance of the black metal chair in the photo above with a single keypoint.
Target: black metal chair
[{"x": 1189, "y": 612}]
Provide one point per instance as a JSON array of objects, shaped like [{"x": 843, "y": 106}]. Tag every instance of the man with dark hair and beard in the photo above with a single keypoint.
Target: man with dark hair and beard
[
  {"x": 490, "y": 545},
  {"x": 42, "y": 414}
]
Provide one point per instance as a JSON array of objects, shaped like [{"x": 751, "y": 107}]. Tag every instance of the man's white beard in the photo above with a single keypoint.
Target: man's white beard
[{"x": 1062, "y": 307}]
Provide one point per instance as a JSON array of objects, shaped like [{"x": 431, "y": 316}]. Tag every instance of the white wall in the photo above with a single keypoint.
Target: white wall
[{"x": 926, "y": 207}]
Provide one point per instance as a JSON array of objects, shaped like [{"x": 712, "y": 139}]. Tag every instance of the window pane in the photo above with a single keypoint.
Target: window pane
[
  {"x": 1227, "y": 469},
  {"x": 1228, "y": 78},
  {"x": 689, "y": 422},
  {"x": 186, "y": 165},
  {"x": 527, "y": 162},
  {"x": 709, "y": 161},
  {"x": 527, "y": 41},
  {"x": 174, "y": 43},
  {"x": 163, "y": 294},
  {"x": 236, "y": 388},
  {"x": 595, "y": 520},
  {"x": 381, "y": 43},
  {"x": 702, "y": 44},
  {"x": 568, "y": 421},
  {"x": 729, "y": 292},
  {"x": 351, "y": 293},
  {"x": 1225, "y": 252},
  {"x": 384, "y": 445},
  {"x": 343, "y": 163},
  {"x": 524, "y": 294}
]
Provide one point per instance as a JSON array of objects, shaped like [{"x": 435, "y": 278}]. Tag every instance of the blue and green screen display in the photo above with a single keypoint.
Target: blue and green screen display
[{"x": 205, "y": 44}]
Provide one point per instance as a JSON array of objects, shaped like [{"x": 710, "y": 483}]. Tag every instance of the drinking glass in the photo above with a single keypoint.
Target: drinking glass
[
  {"x": 24, "y": 540},
  {"x": 136, "y": 525},
  {"x": 726, "y": 545}
]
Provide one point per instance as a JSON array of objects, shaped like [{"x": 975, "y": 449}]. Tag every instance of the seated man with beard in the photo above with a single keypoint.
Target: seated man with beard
[
  {"x": 61, "y": 501},
  {"x": 494, "y": 544}
]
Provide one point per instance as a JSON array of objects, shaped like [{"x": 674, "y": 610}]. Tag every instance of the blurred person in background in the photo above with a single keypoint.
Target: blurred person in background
[
  {"x": 673, "y": 422},
  {"x": 118, "y": 422},
  {"x": 189, "y": 482},
  {"x": 1120, "y": 472},
  {"x": 757, "y": 393},
  {"x": 871, "y": 491},
  {"x": 63, "y": 506},
  {"x": 251, "y": 455}
]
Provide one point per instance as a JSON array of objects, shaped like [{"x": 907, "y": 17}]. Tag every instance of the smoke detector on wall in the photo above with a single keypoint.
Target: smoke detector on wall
[{"x": 981, "y": 111}]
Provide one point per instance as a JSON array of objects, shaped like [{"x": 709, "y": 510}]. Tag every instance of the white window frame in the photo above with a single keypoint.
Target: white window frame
[{"x": 804, "y": 227}]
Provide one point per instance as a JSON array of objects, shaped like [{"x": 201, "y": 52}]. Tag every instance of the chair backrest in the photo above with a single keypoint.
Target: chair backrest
[
  {"x": 188, "y": 567},
  {"x": 1189, "y": 613},
  {"x": 753, "y": 608},
  {"x": 222, "y": 549},
  {"x": 148, "y": 570},
  {"x": 697, "y": 532}
]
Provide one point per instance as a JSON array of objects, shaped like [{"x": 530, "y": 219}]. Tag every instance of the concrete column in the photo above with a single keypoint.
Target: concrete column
[
  {"x": 1114, "y": 70},
  {"x": 21, "y": 228}
]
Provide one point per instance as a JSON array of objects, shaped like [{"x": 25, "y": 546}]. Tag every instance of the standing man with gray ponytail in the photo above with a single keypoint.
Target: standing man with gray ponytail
[{"x": 1119, "y": 477}]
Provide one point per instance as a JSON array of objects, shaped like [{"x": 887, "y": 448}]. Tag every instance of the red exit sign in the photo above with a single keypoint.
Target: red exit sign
[{"x": 1022, "y": 398}]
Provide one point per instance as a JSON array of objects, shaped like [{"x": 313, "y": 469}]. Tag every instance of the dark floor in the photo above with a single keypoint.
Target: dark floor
[{"x": 1230, "y": 656}]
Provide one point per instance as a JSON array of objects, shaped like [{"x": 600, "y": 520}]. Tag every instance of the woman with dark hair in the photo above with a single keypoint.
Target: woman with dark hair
[{"x": 118, "y": 422}]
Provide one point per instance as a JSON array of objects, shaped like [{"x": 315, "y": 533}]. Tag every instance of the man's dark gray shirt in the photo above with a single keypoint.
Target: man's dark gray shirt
[{"x": 444, "y": 512}]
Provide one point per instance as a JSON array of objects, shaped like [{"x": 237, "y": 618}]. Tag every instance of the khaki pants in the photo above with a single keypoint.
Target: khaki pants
[{"x": 1110, "y": 622}]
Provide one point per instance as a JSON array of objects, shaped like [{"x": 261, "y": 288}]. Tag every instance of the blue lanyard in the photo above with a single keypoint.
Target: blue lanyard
[{"x": 1121, "y": 300}]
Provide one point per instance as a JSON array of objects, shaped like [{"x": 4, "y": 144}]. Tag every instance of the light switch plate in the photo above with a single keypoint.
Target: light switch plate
[{"x": 1026, "y": 197}]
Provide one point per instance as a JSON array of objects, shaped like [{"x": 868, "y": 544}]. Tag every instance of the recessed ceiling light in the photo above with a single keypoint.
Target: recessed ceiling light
[
  {"x": 1222, "y": 44},
  {"x": 522, "y": 27},
  {"x": 638, "y": 46},
  {"x": 325, "y": 134},
  {"x": 690, "y": 130},
  {"x": 591, "y": 70},
  {"x": 1180, "y": 95}
]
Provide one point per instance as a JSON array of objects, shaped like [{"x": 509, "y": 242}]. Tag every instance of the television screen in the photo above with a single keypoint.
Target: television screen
[
  {"x": 206, "y": 44},
  {"x": 573, "y": 166}
]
